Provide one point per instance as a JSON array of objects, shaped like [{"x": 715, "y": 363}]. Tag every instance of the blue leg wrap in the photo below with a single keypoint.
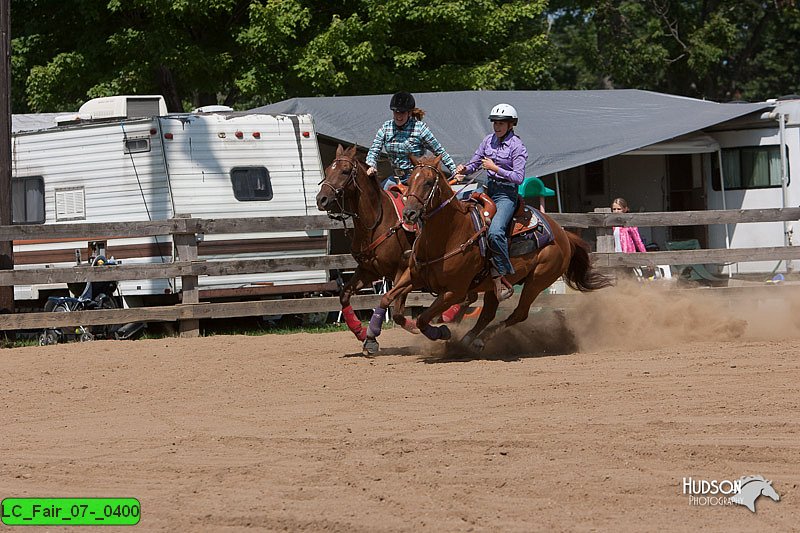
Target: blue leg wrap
[
  {"x": 376, "y": 322},
  {"x": 432, "y": 332}
]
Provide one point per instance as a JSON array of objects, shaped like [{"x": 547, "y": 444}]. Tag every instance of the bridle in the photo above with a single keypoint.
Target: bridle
[
  {"x": 338, "y": 193},
  {"x": 425, "y": 203}
]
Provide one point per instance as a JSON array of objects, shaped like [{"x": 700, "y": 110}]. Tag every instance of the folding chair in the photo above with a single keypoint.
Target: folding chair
[{"x": 694, "y": 272}]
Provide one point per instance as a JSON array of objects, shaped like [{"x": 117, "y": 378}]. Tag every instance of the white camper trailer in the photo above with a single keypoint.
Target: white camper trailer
[
  {"x": 125, "y": 159},
  {"x": 757, "y": 152}
]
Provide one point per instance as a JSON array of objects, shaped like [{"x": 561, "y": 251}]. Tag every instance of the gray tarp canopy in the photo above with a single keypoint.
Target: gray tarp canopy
[
  {"x": 561, "y": 129},
  {"x": 33, "y": 121}
]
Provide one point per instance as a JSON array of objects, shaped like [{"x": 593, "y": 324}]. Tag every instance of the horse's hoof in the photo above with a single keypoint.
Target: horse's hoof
[
  {"x": 478, "y": 345},
  {"x": 370, "y": 347},
  {"x": 410, "y": 325},
  {"x": 444, "y": 331}
]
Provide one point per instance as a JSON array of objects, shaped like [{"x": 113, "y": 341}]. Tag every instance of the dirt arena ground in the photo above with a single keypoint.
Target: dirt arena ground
[{"x": 588, "y": 427}]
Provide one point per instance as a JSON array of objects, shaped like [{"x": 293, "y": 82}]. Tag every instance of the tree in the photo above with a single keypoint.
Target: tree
[
  {"x": 370, "y": 46},
  {"x": 717, "y": 49},
  {"x": 251, "y": 52}
]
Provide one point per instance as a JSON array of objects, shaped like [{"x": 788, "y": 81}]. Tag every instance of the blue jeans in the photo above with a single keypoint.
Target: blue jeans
[
  {"x": 394, "y": 179},
  {"x": 388, "y": 182},
  {"x": 504, "y": 195},
  {"x": 466, "y": 194}
]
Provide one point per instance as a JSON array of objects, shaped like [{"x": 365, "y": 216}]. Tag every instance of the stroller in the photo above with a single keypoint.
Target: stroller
[{"x": 95, "y": 295}]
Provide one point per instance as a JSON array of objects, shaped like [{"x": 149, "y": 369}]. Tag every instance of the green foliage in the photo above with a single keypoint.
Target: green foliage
[
  {"x": 383, "y": 46},
  {"x": 251, "y": 52},
  {"x": 720, "y": 50}
]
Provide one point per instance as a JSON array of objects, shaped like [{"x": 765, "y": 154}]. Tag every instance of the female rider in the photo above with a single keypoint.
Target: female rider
[
  {"x": 503, "y": 155},
  {"x": 405, "y": 134}
]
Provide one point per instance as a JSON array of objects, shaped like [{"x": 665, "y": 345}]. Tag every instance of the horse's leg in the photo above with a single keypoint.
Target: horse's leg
[
  {"x": 408, "y": 324},
  {"x": 489, "y": 311},
  {"x": 472, "y": 297},
  {"x": 400, "y": 290},
  {"x": 357, "y": 282},
  {"x": 442, "y": 302},
  {"x": 530, "y": 290},
  {"x": 456, "y": 312}
]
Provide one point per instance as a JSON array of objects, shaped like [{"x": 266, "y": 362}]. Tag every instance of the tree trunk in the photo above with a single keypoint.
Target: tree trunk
[{"x": 169, "y": 89}]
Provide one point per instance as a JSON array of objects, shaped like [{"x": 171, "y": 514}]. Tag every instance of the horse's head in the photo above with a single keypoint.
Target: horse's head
[
  {"x": 770, "y": 492},
  {"x": 339, "y": 176},
  {"x": 425, "y": 186}
]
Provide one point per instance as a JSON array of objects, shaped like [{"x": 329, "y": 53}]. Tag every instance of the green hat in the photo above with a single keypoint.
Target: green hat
[{"x": 533, "y": 187}]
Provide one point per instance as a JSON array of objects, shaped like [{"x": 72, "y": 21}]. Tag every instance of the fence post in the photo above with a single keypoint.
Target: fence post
[
  {"x": 186, "y": 248},
  {"x": 605, "y": 236}
]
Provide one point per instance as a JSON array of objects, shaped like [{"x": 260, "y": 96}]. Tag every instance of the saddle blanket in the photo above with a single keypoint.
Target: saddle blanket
[
  {"x": 396, "y": 194},
  {"x": 536, "y": 234}
]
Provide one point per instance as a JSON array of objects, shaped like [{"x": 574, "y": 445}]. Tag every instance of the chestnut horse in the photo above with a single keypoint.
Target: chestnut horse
[
  {"x": 379, "y": 241},
  {"x": 446, "y": 259}
]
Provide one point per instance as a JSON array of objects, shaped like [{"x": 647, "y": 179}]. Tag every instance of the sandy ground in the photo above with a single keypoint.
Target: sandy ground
[{"x": 584, "y": 426}]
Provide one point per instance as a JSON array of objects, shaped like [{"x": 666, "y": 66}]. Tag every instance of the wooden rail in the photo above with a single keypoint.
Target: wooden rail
[{"x": 189, "y": 268}]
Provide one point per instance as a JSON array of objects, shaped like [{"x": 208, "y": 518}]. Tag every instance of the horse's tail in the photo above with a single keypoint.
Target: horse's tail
[{"x": 580, "y": 275}]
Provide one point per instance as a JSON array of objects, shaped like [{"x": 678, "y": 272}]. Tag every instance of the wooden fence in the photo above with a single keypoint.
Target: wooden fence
[{"x": 189, "y": 268}]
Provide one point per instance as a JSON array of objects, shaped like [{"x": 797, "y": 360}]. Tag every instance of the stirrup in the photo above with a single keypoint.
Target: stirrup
[{"x": 502, "y": 288}]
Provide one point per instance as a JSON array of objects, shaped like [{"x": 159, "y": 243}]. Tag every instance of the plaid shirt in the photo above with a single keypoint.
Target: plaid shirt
[{"x": 412, "y": 139}]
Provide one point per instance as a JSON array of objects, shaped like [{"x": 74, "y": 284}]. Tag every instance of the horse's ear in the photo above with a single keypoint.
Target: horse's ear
[
  {"x": 437, "y": 160},
  {"x": 339, "y": 150},
  {"x": 414, "y": 160},
  {"x": 351, "y": 152}
]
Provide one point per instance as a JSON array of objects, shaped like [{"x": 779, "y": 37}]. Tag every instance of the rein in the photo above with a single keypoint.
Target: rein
[
  {"x": 364, "y": 254},
  {"x": 338, "y": 194},
  {"x": 462, "y": 248}
]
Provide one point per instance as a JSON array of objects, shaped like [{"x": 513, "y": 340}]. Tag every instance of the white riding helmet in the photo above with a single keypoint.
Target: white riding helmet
[{"x": 503, "y": 112}]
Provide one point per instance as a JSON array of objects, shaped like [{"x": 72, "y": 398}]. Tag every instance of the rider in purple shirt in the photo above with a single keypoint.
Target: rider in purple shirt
[{"x": 503, "y": 155}]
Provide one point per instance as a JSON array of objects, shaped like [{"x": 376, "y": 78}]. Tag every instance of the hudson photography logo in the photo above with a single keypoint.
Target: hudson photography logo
[{"x": 743, "y": 491}]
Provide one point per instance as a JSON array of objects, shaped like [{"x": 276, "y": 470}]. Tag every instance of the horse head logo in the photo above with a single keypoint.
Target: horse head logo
[{"x": 752, "y": 488}]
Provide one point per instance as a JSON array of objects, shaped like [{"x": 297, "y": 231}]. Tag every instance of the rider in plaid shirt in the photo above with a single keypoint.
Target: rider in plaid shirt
[{"x": 402, "y": 136}]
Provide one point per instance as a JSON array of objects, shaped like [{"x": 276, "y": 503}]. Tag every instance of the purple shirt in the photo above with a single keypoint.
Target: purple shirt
[{"x": 510, "y": 155}]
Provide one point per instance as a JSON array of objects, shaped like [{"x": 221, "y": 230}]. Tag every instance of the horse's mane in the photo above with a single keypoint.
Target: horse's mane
[
  {"x": 748, "y": 479},
  {"x": 431, "y": 161},
  {"x": 359, "y": 163},
  {"x": 428, "y": 160}
]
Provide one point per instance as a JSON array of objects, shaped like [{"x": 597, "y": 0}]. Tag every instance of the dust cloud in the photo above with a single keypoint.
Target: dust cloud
[
  {"x": 645, "y": 315},
  {"x": 635, "y": 316}
]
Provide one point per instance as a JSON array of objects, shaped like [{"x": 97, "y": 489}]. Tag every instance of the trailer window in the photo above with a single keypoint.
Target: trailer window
[
  {"x": 27, "y": 200},
  {"x": 749, "y": 167},
  {"x": 134, "y": 145},
  {"x": 251, "y": 184}
]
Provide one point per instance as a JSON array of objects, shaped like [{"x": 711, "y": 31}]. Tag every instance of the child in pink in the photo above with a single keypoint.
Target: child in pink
[{"x": 626, "y": 239}]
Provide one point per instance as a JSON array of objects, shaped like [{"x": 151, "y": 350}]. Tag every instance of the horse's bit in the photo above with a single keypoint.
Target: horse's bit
[{"x": 338, "y": 193}]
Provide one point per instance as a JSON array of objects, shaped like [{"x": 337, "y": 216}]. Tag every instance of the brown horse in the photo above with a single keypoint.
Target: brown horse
[
  {"x": 446, "y": 259},
  {"x": 379, "y": 241}
]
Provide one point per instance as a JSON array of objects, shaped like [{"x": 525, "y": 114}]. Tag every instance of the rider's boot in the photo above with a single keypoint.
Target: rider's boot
[{"x": 502, "y": 288}]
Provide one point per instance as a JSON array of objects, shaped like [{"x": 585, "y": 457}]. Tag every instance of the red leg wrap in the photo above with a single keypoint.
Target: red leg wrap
[
  {"x": 451, "y": 313},
  {"x": 354, "y": 323},
  {"x": 410, "y": 325}
]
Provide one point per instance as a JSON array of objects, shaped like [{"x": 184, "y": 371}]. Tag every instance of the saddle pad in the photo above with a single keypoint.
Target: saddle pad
[
  {"x": 535, "y": 235},
  {"x": 397, "y": 201}
]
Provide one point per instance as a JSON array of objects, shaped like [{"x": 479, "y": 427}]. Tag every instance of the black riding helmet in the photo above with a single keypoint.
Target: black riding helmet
[{"x": 402, "y": 102}]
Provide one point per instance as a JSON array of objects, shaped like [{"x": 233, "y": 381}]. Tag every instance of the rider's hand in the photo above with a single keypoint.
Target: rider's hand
[
  {"x": 488, "y": 164},
  {"x": 458, "y": 177},
  {"x": 460, "y": 169},
  {"x": 372, "y": 171}
]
